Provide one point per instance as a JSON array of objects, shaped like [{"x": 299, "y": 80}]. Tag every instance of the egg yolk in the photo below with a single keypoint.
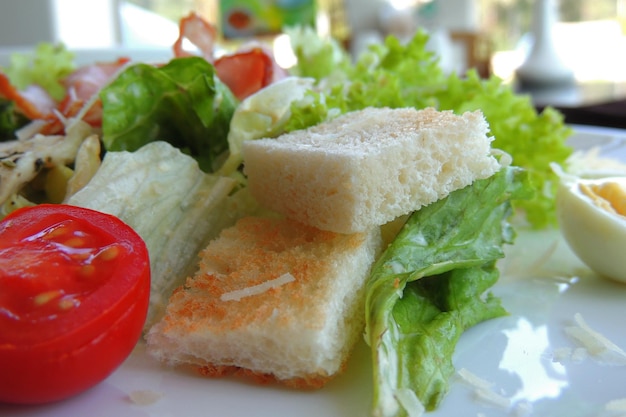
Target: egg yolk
[{"x": 609, "y": 196}]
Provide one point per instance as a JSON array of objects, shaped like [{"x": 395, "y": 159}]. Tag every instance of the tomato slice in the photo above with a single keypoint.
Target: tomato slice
[{"x": 74, "y": 292}]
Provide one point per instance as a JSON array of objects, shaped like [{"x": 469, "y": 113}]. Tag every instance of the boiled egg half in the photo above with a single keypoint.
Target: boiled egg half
[{"x": 592, "y": 217}]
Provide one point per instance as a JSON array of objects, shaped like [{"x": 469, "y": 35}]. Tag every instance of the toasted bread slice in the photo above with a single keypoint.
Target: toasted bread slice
[
  {"x": 366, "y": 168},
  {"x": 273, "y": 299}
]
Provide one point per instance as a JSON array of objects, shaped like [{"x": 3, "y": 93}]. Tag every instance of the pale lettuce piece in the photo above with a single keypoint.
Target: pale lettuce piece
[
  {"x": 263, "y": 114},
  {"x": 174, "y": 206}
]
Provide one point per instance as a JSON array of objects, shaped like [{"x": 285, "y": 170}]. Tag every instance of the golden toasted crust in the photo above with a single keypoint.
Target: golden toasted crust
[
  {"x": 265, "y": 249},
  {"x": 304, "y": 383},
  {"x": 298, "y": 330}
]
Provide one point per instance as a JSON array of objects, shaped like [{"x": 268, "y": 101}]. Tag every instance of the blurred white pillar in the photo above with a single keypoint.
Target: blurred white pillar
[
  {"x": 363, "y": 14},
  {"x": 86, "y": 24},
  {"x": 544, "y": 64}
]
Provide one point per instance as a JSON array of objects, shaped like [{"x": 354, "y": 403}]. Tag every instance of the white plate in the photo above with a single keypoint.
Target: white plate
[
  {"x": 543, "y": 286},
  {"x": 89, "y": 56}
]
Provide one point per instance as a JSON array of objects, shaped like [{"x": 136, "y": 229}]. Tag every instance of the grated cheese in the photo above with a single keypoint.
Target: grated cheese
[
  {"x": 409, "y": 401},
  {"x": 559, "y": 355},
  {"x": 595, "y": 344},
  {"x": 483, "y": 389},
  {"x": 144, "y": 397},
  {"x": 616, "y": 405},
  {"x": 237, "y": 295},
  {"x": 579, "y": 355},
  {"x": 492, "y": 398},
  {"x": 523, "y": 408},
  {"x": 592, "y": 164},
  {"x": 474, "y": 380}
]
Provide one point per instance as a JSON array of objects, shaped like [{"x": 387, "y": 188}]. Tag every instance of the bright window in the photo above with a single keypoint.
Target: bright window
[{"x": 590, "y": 36}]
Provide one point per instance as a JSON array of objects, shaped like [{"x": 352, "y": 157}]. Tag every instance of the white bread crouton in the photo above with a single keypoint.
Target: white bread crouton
[
  {"x": 368, "y": 167},
  {"x": 273, "y": 299}
]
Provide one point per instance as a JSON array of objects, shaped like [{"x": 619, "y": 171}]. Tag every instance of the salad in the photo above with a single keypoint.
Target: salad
[{"x": 158, "y": 146}]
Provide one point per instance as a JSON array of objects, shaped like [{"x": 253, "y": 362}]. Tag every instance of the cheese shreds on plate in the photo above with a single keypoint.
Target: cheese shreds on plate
[
  {"x": 144, "y": 397},
  {"x": 596, "y": 344},
  {"x": 492, "y": 398},
  {"x": 473, "y": 379},
  {"x": 616, "y": 405},
  {"x": 523, "y": 408},
  {"x": 559, "y": 355},
  {"x": 483, "y": 389}
]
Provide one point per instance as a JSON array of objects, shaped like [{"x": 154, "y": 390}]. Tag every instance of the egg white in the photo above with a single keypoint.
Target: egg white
[{"x": 595, "y": 235}]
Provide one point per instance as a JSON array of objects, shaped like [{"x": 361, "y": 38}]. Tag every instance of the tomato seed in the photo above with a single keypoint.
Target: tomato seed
[
  {"x": 87, "y": 271},
  {"x": 80, "y": 256},
  {"x": 46, "y": 297},
  {"x": 67, "y": 303},
  {"x": 111, "y": 252},
  {"x": 75, "y": 242},
  {"x": 55, "y": 232}
]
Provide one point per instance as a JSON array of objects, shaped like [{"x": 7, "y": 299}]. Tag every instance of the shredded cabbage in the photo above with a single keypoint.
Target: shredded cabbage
[{"x": 174, "y": 206}]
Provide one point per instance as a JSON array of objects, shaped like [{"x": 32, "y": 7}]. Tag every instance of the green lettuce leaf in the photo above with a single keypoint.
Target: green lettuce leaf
[
  {"x": 183, "y": 103},
  {"x": 317, "y": 57},
  {"x": 409, "y": 75},
  {"x": 429, "y": 286},
  {"x": 10, "y": 120},
  {"x": 262, "y": 114},
  {"x": 47, "y": 66}
]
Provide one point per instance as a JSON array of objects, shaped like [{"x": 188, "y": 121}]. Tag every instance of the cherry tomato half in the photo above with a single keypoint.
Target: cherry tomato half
[{"x": 74, "y": 289}]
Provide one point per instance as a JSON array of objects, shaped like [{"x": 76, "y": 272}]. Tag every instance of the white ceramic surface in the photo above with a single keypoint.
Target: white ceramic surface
[
  {"x": 155, "y": 55},
  {"x": 534, "y": 367}
]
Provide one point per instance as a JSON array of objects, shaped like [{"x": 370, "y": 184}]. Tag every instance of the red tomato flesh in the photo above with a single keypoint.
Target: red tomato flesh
[{"x": 74, "y": 292}]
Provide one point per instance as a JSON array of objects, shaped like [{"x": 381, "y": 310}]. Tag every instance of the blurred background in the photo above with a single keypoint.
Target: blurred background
[{"x": 492, "y": 36}]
